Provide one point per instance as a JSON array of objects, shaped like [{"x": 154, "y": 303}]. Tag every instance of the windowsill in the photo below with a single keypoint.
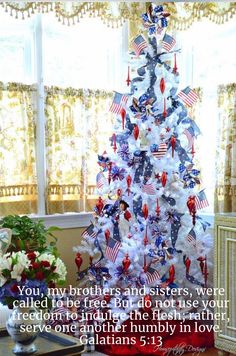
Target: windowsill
[
  {"x": 67, "y": 220},
  {"x": 77, "y": 220}
]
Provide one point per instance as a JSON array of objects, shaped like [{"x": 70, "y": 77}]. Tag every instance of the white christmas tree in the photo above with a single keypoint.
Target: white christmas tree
[{"x": 147, "y": 232}]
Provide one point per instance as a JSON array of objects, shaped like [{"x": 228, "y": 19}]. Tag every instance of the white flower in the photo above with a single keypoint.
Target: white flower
[
  {"x": 47, "y": 257},
  {"x": 2, "y": 280},
  {"x": 60, "y": 269},
  {"x": 20, "y": 262},
  {"x": 17, "y": 271}
]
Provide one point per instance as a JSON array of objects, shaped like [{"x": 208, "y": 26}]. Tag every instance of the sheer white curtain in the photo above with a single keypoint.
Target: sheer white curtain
[{"x": 207, "y": 60}]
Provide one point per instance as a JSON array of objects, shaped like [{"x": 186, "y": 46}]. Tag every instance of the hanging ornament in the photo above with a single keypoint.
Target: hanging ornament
[
  {"x": 164, "y": 114},
  {"x": 147, "y": 303},
  {"x": 123, "y": 114},
  {"x": 173, "y": 142},
  {"x": 114, "y": 142},
  {"x": 78, "y": 261},
  {"x": 107, "y": 235},
  {"x": 171, "y": 274},
  {"x": 145, "y": 240},
  {"x": 175, "y": 65},
  {"x": 119, "y": 193},
  {"x": 192, "y": 151},
  {"x": 107, "y": 297},
  {"x": 136, "y": 132},
  {"x": 99, "y": 205},
  {"x": 163, "y": 179},
  {"x": 128, "y": 180},
  {"x": 158, "y": 210},
  {"x": 128, "y": 81},
  {"x": 191, "y": 204},
  {"x": 201, "y": 263},
  {"x": 162, "y": 85},
  {"x": 109, "y": 172},
  {"x": 90, "y": 260},
  {"x": 187, "y": 264},
  {"x": 126, "y": 263},
  {"x": 145, "y": 211}
]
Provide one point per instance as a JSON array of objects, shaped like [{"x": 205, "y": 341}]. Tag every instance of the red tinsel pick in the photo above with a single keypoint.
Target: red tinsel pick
[
  {"x": 114, "y": 142},
  {"x": 136, "y": 132},
  {"x": 191, "y": 204},
  {"x": 99, "y": 205},
  {"x": 163, "y": 179},
  {"x": 175, "y": 65},
  {"x": 145, "y": 264},
  {"x": 162, "y": 85},
  {"x": 123, "y": 114},
  {"x": 145, "y": 211},
  {"x": 201, "y": 263},
  {"x": 187, "y": 264},
  {"x": 78, "y": 261},
  {"x": 158, "y": 210},
  {"x": 107, "y": 235},
  {"x": 145, "y": 241},
  {"x": 128, "y": 180},
  {"x": 147, "y": 303},
  {"x": 128, "y": 81},
  {"x": 173, "y": 142},
  {"x": 164, "y": 110},
  {"x": 171, "y": 274},
  {"x": 126, "y": 263}
]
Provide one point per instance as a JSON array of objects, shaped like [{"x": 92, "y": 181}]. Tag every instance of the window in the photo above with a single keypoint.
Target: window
[
  {"x": 49, "y": 166},
  {"x": 206, "y": 61},
  {"x": 49, "y": 126}
]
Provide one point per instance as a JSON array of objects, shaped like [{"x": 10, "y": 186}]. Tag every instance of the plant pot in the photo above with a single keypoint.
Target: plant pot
[{"x": 16, "y": 326}]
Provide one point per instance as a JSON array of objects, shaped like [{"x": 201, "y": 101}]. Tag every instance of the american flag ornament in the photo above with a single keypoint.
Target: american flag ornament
[
  {"x": 119, "y": 101},
  {"x": 188, "y": 96},
  {"x": 162, "y": 149},
  {"x": 149, "y": 189},
  {"x": 100, "y": 180},
  {"x": 168, "y": 42},
  {"x": 112, "y": 249},
  {"x": 139, "y": 44},
  {"x": 189, "y": 132},
  {"x": 152, "y": 275},
  {"x": 191, "y": 238},
  {"x": 201, "y": 200},
  {"x": 89, "y": 232}
]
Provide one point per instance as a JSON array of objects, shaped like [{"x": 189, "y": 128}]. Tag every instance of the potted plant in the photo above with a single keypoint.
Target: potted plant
[{"x": 28, "y": 234}]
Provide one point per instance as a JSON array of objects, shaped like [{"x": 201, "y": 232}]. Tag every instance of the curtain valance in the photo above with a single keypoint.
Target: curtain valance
[{"x": 115, "y": 13}]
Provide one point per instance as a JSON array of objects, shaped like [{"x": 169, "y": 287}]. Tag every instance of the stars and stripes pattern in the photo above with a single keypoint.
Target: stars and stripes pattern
[
  {"x": 191, "y": 238},
  {"x": 89, "y": 232},
  {"x": 201, "y": 200},
  {"x": 168, "y": 42},
  {"x": 112, "y": 249},
  {"x": 162, "y": 149},
  {"x": 152, "y": 275},
  {"x": 149, "y": 189},
  {"x": 189, "y": 132},
  {"x": 100, "y": 180},
  {"x": 119, "y": 101},
  {"x": 138, "y": 44},
  {"x": 188, "y": 96}
]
